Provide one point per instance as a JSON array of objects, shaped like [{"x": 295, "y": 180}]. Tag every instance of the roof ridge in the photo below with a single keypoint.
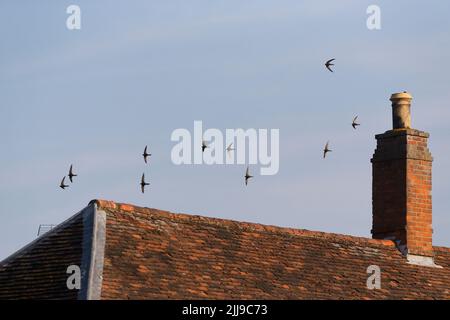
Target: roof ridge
[
  {"x": 440, "y": 248},
  {"x": 253, "y": 226}
]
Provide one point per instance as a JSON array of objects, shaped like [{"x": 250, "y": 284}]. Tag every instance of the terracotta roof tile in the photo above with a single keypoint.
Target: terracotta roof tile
[
  {"x": 154, "y": 254},
  {"x": 196, "y": 257}
]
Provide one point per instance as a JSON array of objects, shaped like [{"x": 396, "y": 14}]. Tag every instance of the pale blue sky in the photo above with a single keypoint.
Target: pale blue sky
[{"x": 140, "y": 69}]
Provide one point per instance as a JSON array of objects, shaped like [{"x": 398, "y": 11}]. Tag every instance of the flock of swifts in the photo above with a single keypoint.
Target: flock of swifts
[{"x": 230, "y": 148}]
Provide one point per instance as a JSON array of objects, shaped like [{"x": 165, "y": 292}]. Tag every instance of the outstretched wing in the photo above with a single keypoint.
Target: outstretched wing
[
  {"x": 328, "y": 64},
  {"x": 145, "y": 154},
  {"x": 325, "y": 150}
]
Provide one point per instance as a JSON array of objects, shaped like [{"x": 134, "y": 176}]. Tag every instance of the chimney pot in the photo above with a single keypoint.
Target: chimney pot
[{"x": 401, "y": 110}]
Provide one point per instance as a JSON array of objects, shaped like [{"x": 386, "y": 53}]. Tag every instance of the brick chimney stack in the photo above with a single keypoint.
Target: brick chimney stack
[{"x": 401, "y": 187}]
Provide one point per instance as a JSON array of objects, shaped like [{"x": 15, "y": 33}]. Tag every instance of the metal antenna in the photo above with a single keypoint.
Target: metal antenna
[{"x": 43, "y": 228}]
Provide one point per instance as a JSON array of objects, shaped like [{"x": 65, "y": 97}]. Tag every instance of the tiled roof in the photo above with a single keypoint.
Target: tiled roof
[
  {"x": 39, "y": 270},
  {"x": 142, "y": 253}
]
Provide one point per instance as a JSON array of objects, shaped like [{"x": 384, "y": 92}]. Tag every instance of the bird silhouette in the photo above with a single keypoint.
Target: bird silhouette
[
  {"x": 62, "y": 185},
  {"x": 145, "y": 154},
  {"x": 71, "y": 174},
  {"x": 329, "y": 63},
  {"x": 326, "y": 149},
  {"x": 247, "y": 176},
  {"x": 143, "y": 183},
  {"x": 204, "y": 146},
  {"x": 354, "y": 124},
  {"x": 229, "y": 148}
]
